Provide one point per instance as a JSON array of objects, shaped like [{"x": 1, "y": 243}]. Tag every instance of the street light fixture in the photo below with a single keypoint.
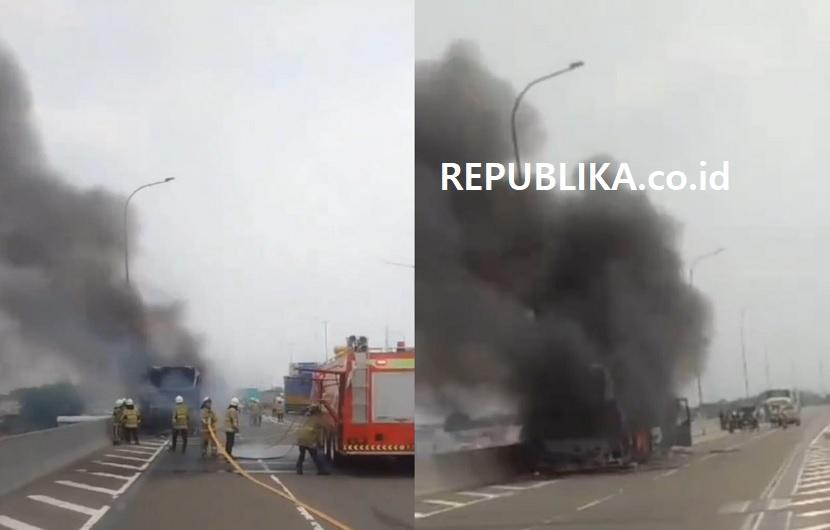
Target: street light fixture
[
  {"x": 572, "y": 66},
  {"x": 126, "y": 232}
]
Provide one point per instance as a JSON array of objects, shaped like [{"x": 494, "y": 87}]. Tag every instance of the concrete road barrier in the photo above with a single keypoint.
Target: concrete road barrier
[
  {"x": 29, "y": 456},
  {"x": 466, "y": 469}
]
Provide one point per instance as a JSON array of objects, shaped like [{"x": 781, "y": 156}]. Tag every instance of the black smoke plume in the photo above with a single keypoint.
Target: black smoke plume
[
  {"x": 65, "y": 311},
  {"x": 518, "y": 292}
]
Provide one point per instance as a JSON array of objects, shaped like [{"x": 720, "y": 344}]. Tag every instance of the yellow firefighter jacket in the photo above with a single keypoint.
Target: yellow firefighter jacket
[
  {"x": 311, "y": 433},
  {"x": 208, "y": 418},
  {"x": 131, "y": 417},
  {"x": 181, "y": 417},
  {"x": 232, "y": 419}
]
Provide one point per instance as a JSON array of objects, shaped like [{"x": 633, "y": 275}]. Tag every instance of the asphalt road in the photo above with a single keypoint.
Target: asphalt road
[
  {"x": 148, "y": 487},
  {"x": 767, "y": 480}
]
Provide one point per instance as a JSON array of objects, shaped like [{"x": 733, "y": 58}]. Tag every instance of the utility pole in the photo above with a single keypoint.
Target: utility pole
[
  {"x": 821, "y": 376},
  {"x": 766, "y": 367},
  {"x": 743, "y": 354},
  {"x": 386, "y": 338},
  {"x": 691, "y": 285}
]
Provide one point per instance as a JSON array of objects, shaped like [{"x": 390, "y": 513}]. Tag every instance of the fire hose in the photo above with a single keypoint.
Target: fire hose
[{"x": 241, "y": 471}]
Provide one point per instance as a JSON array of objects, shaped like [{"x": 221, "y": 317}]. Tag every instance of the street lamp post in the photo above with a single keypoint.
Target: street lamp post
[
  {"x": 743, "y": 353},
  {"x": 692, "y": 284},
  {"x": 326, "y": 339},
  {"x": 127, "y": 232},
  {"x": 572, "y": 66}
]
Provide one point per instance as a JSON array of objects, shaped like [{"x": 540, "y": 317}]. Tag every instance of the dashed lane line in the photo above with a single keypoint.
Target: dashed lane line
[{"x": 597, "y": 501}]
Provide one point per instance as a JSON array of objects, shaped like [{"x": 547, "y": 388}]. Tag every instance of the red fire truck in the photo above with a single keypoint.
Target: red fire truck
[{"x": 368, "y": 395}]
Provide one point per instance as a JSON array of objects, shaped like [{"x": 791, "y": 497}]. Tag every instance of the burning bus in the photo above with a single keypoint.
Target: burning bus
[
  {"x": 587, "y": 428},
  {"x": 161, "y": 385}
]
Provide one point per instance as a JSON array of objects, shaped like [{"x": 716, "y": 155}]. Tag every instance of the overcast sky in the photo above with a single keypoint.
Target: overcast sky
[
  {"x": 288, "y": 127},
  {"x": 666, "y": 85}
]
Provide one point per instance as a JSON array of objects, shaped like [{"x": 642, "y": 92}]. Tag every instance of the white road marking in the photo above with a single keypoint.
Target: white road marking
[
  {"x": 735, "y": 507},
  {"x": 479, "y": 494},
  {"x": 813, "y": 492},
  {"x": 121, "y": 466},
  {"x": 807, "y": 502},
  {"x": 134, "y": 452},
  {"x": 509, "y": 490},
  {"x": 440, "y": 502},
  {"x": 597, "y": 501},
  {"x": 823, "y": 526},
  {"x": 541, "y": 484},
  {"x": 814, "y": 513},
  {"x": 82, "y": 486},
  {"x": 112, "y": 475},
  {"x": 306, "y": 515},
  {"x": 14, "y": 524},
  {"x": 666, "y": 474},
  {"x": 754, "y": 521},
  {"x": 94, "y": 515},
  {"x": 132, "y": 458}
]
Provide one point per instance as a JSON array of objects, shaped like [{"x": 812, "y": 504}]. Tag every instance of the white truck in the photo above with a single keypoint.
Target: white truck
[{"x": 783, "y": 407}]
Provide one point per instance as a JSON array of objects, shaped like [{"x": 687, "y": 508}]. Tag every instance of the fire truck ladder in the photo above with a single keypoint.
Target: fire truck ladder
[{"x": 360, "y": 388}]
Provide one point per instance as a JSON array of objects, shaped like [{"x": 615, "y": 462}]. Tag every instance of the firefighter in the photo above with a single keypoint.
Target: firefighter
[
  {"x": 255, "y": 412},
  {"x": 208, "y": 419},
  {"x": 181, "y": 423},
  {"x": 310, "y": 438},
  {"x": 279, "y": 409},
  {"x": 117, "y": 410},
  {"x": 130, "y": 421},
  {"x": 231, "y": 425},
  {"x": 259, "y": 412}
]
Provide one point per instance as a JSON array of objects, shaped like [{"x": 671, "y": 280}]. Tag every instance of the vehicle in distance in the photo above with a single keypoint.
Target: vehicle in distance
[
  {"x": 744, "y": 418},
  {"x": 783, "y": 407}
]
